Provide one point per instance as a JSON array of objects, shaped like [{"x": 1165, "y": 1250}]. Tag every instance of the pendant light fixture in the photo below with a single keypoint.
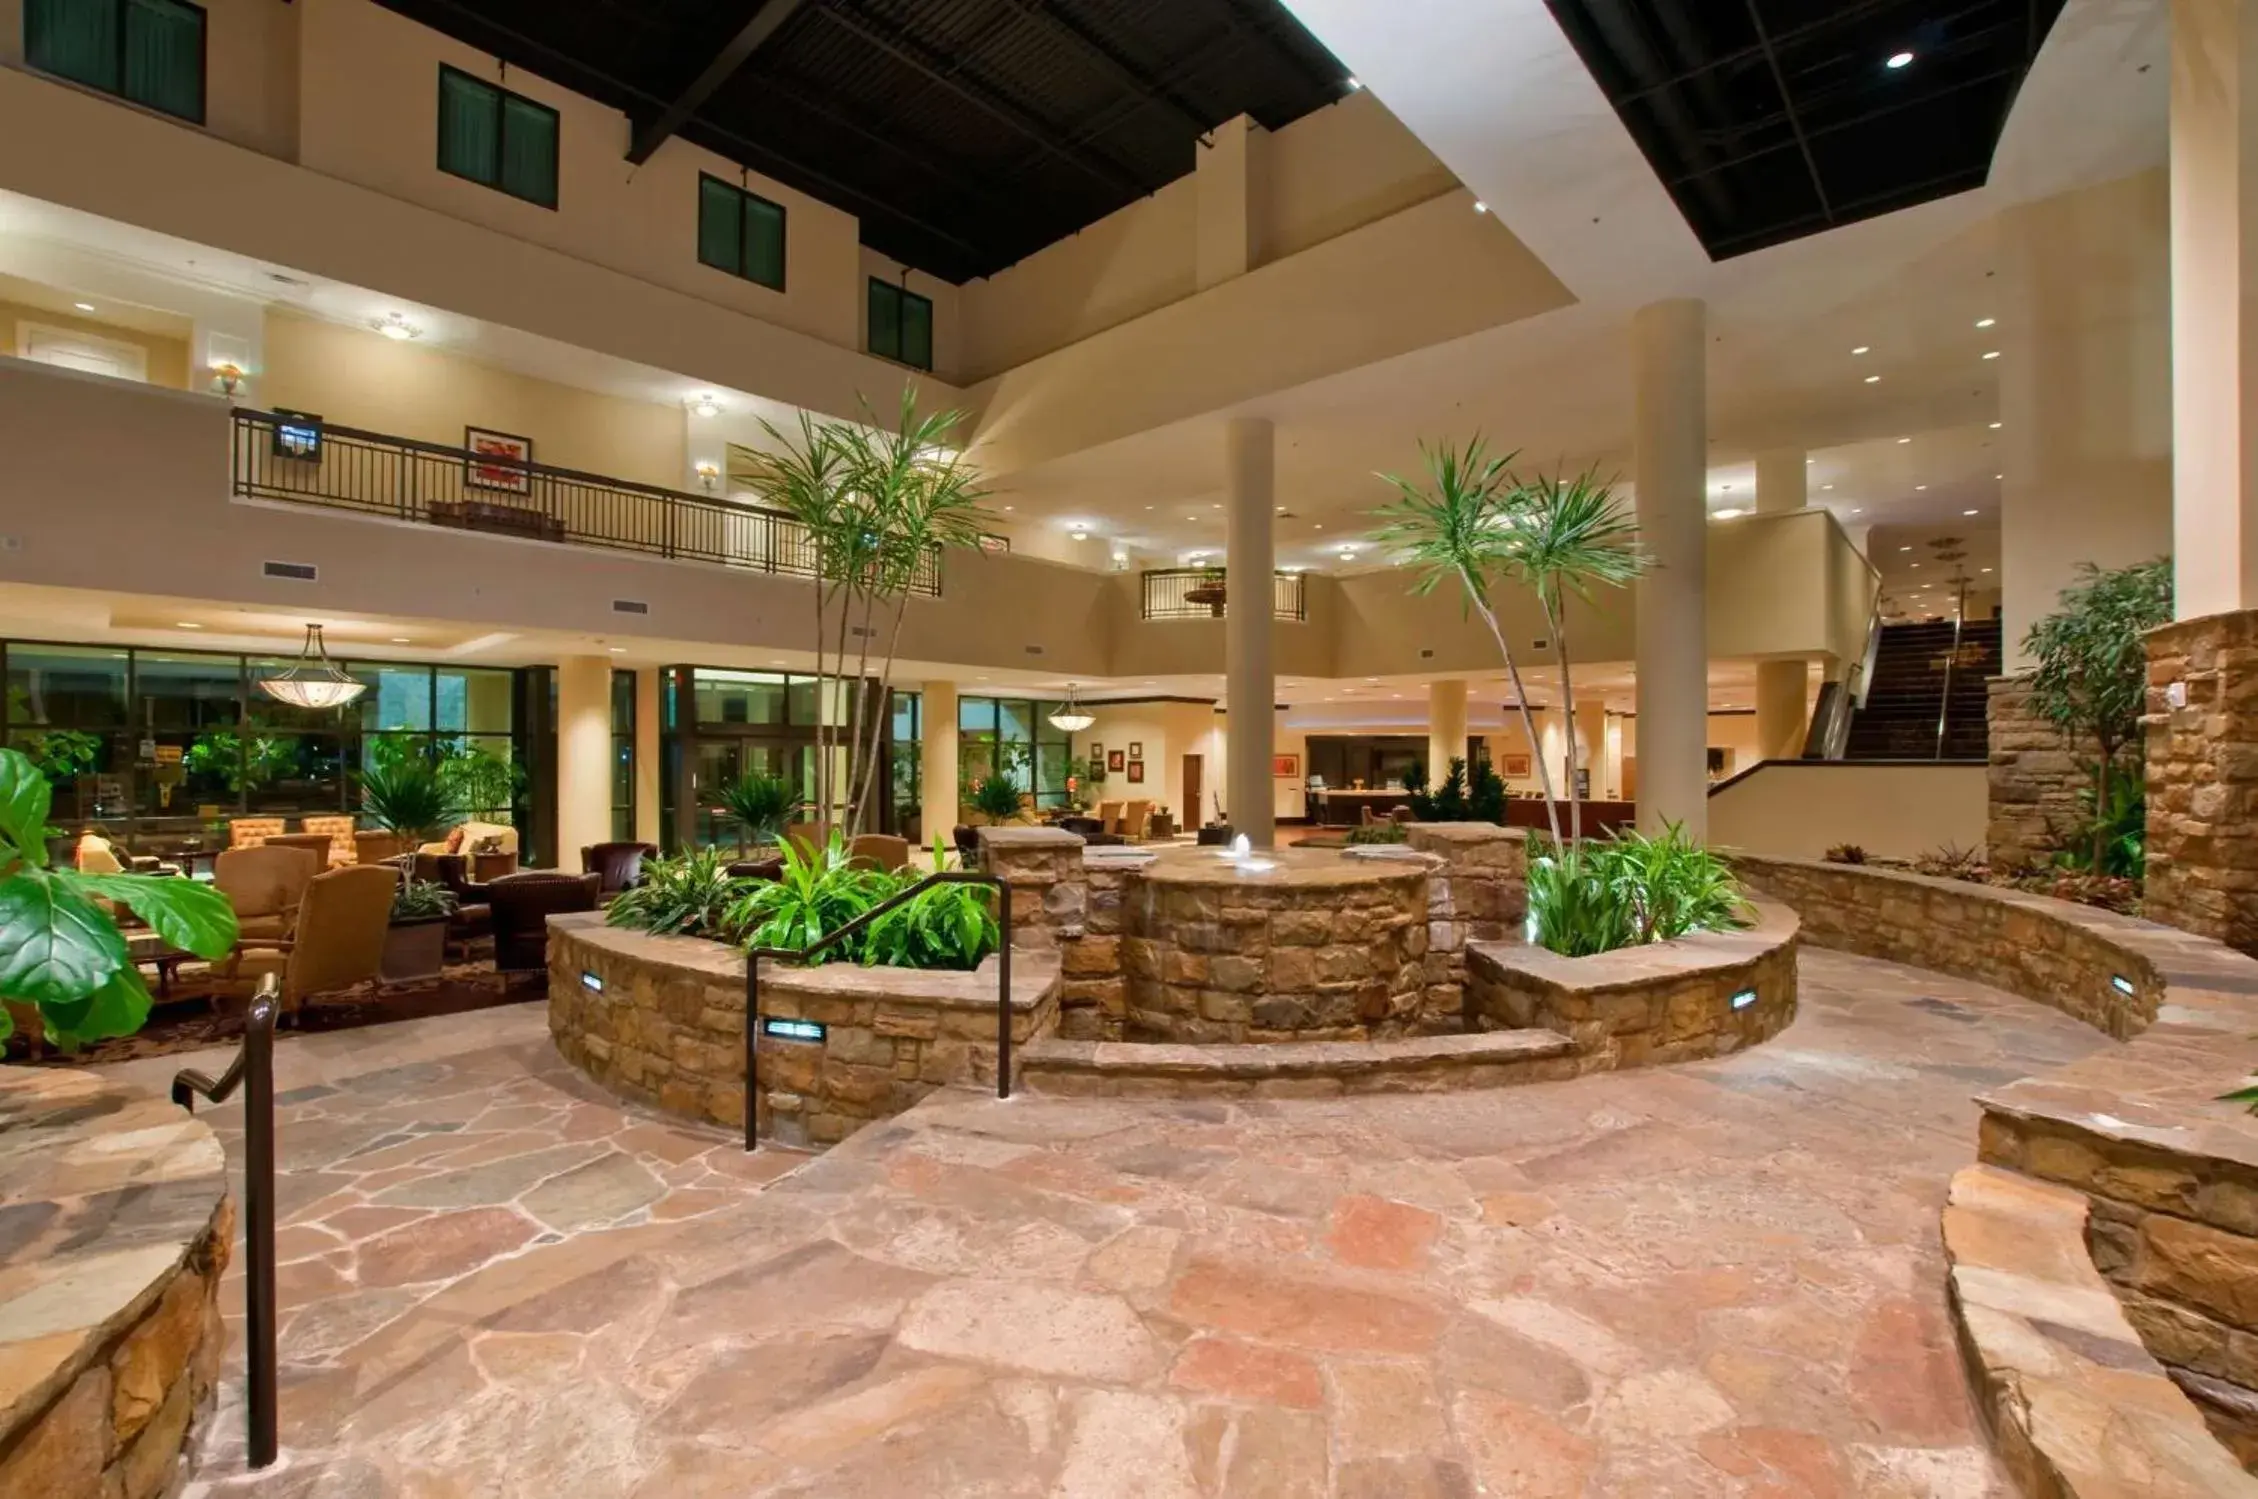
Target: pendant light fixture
[
  {"x": 1071, "y": 718},
  {"x": 315, "y": 681}
]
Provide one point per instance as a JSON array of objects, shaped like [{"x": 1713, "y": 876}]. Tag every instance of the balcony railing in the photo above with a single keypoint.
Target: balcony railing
[
  {"x": 280, "y": 457},
  {"x": 1200, "y": 593}
]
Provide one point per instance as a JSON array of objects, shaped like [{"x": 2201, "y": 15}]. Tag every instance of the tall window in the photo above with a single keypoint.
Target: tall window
[
  {"x": 740, "y": 232},
  {"x": 148, "y": 51},
  {"x": 623, "y": 756},
  {"x": 492, "y": 136},
  {"x": 901, "y": 324},
  {"x": 1015, "y": 736}
]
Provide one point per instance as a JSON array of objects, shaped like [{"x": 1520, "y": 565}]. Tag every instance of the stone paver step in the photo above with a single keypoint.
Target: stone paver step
[{"x": 1297, "y": 1068}]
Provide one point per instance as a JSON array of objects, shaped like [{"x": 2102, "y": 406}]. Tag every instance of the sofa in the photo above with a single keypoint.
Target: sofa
[{"x": 473, "y": 834}]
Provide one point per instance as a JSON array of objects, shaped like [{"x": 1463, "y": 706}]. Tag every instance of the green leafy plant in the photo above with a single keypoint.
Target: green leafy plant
[
  {"x": 1377, "y": 833},
  {"x": 421, "y": 900},
  {"x": 1629, "y": 890},
  {"x": 996, "y": 797},
  {"x": 948, "y": 926},
  {"x": 1447, "y": 802},
  {"x": 818, "y": 891},
  {"x": 1846, "y": 853},
  {"x": 689, "y": 895},
  {"x": 59, "y": 950},
  {"x": 760, "y": 806},
  {"x": 1949, "y": 861},
  {"x": 482, "y": 782},
  {"x": 409, "y": 798},
  {"x": 1574, "y": 909},
  {"x": 63, "y": 755},
  {"x": 2118, "y": 833},
  {"x": 1486, "y": 797},
  {"x": 225, "y": 756},
  {"x": 2091, "y": 678}
]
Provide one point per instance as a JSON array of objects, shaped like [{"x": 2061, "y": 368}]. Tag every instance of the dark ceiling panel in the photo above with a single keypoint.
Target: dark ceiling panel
[
  {"x": 1768, "y": 120},
  {"x": 964, "y": 134}
]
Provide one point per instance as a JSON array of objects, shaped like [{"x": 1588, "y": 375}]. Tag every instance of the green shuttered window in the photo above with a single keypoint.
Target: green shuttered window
[
  {"x": 740, "y": 232},
  {"x": 901, "y": 324},
  {"x": 492, "y": 136},
  {"x": 150, "y": 52}
]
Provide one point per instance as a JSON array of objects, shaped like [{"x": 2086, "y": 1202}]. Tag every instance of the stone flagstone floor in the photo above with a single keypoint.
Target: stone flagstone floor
[{"x": 1722, "y": 1279}]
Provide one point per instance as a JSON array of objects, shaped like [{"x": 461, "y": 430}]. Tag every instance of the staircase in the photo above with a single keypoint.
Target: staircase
[{"x": 1911, "y": 670}]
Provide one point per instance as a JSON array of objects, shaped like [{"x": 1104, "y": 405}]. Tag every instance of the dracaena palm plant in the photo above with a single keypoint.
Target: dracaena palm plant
[
  {"x": 1455, "y": 526},
  {"x": 1568, "y": 536}
]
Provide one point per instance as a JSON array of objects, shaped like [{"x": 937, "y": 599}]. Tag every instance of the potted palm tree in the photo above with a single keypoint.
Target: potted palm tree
[
  {"x": 415, "y": 945},
  {"x": 760, "y": 806},
  {"x": 409, "y": 799}
]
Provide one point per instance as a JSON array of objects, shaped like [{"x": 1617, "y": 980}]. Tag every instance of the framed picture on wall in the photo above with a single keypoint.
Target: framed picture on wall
[
  {"x": 1114, "y": 760},
  {"x": 481, "y": 443},
  {"x": 1136, "y": 749},
  {"x": 1514, "y": 767},
  {"x": 1097, "y": 752},
  {"x": 1136, "y": 772},
  {"x": 1097, "y": 766},
  {"x": 1286, "y": 767}
]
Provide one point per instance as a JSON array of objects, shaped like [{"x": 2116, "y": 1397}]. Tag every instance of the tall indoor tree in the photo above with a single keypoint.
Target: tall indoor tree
[
  {"x": 1457, "y": 525},
  {"x": 2091, "y": 678},
  {"x": 1568, "y": 536}
]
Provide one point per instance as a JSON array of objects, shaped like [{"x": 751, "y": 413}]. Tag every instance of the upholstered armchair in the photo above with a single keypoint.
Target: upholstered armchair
[
  {"x": 522, "y": 904},
  {"x": 473, "y": 917},
  {"x": 880, "y": 851},
  {"x": 320, "y": 845},
  {"x": 338, "y": 940},
  {"x": 339, "y": 830},
  {"x": 250, "y": 832},
  {"x": 265, "y": 885},
  {"x": 617, "y": 866}
]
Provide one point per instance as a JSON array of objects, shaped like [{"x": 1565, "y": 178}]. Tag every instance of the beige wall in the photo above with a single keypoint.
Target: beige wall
[
  {"x": 1797, "y": 810},
  {"x": 358, "y": 378},
  {"x": 168, "y": 357},
  {"x": 948, "y": 310},
  {"x": 1168, "y": 730},
  {"x": 1338, "y": 169}
]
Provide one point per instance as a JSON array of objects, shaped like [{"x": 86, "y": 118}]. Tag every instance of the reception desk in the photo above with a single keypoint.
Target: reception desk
[{"x": 1337, "y": 807}]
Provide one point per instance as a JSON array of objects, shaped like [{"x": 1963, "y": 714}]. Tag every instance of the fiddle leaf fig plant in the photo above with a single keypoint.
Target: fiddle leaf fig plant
[{"x": 59, "y": 950}]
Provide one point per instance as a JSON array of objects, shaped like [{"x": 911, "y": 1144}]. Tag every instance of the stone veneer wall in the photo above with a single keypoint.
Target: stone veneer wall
[
  {"x": 2034, "y": 777},
  {"x": 1645, "y": 1006},
  {"x": 2203, "y": 778},
  {"x": 668, "y": 1028},
  {"x": 2170, "y": 1173},
  {"x": 1479, "y": 893},
  {"x": 117, "y": 1228}
]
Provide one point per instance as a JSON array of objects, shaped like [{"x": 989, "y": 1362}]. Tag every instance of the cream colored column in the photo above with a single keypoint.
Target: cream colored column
[
  {"x": 937, "y": 765},
  {"x": 1670, "y": 469},
  {"x": 647, "y": 743},
  {"x": 1250, "y": 559},
  {"x": 1783, "y": 480},
  {"x": 1591, "y": 747},
  {"x": 1446, "y": 727},
  {"x": 584, "y": 756},
  {"x": 2214, "y": 326},
  {"x": 1783, "y": 483},
  {"x": 1227, "y": 194}
]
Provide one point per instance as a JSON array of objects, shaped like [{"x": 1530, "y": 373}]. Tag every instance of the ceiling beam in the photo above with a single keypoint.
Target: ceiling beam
[
  {"x": 749, "y": 39},
  {"x": 1094, "y": 47}
]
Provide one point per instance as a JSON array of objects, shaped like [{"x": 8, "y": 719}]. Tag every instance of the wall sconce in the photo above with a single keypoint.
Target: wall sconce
[
  {"x": 228, "y": 377},
  {"x": 397, "y": 328},
  {"x": 709, "y": 474}
]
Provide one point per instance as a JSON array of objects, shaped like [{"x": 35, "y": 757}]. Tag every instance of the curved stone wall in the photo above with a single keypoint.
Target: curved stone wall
[
  {"x": 2168, "y": 1171},
  {"x": 662, "y": 1020},
  {"x": 113, "y": 1235},
  {"x": 1700, "y": 996}
]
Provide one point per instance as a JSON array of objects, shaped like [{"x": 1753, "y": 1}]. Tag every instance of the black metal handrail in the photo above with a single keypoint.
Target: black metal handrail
[
  {"x": 253, "y": 1069},
  {"x": 375, "y": 473},
  {"x": 754, "y": 955},
  {"x": 1168, "y": 594}
]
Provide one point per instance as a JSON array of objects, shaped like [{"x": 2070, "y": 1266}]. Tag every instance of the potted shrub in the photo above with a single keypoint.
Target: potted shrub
[
  {"x": 760, "y": 806},
  {"x": 996, "y": 797},
  {"x": 416, "y": 945},
  {"x": 409, "y": 799}
]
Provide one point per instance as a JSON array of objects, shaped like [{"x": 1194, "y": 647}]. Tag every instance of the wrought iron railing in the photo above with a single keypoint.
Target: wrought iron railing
[
  {"x": 253, "y": 1070},
  {"x": 1202, "y": 593},
  {"x": 282, "y": 457},
  {"x": 753, "y": 958}
]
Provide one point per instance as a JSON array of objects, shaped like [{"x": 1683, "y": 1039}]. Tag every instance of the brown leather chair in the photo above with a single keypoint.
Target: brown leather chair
[
  {"x": 879, "y": 851},
  {"x": 811, "y": 838},
  {"x": 617, "y": 866},
  {"x": 473, "y": 917},
  {"x": 320, "y": 845},
  {"x": 522, "y": 904},
  {"x": 757, "y": 869},
  {"x": 264, "y": 884},
  {"x": 338, "y": 940}
]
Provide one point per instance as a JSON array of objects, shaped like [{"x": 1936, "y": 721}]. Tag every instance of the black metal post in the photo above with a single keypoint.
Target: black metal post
[
  {"x": 752, "y": 1044},
  {"x": 253, "y": 1068},
  {"x": 1003, "y": 985}
]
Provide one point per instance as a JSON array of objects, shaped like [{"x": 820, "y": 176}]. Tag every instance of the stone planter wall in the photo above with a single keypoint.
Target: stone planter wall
[
  {"x": 1642, "y": 1006},
  {"x": 667, "y": 1027},
  {"x": 2202, "y": 767},
  {"x": 2034, "y": 779},
  {"x": 117, "y": 1228},
  {"x": 2169, "y": 1173},
  {"x": 1480, "y": 893}
]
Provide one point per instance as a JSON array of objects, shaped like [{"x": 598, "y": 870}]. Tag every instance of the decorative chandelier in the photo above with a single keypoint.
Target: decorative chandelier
[
  {"x": 1071, "y": 718},
  {"x": 315, "y": 681}
]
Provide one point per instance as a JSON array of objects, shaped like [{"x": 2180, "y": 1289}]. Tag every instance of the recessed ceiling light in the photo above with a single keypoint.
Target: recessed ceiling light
[
  {"x": 1987, "y": 569},
  {"x": 187, "y": 624},
  {"x": 1902, "y": 441},
  {"x": 401, "y": 640},
  {"x": 1986, "y": 322},
  {"x": 1905, "y": 549},
  {"x": 1916, "y": 567},
  {"x": 1730, "y": 511},
  {"x": 1007, "y": 507},
  {"x": 83, "y": 306},
  {"x": 1995, "y": 426},
  {"x": 705, "y": 404},
  {"x": 1857, "y": 510},
  {"x": 1991, "y": 353},
  {"x": 1970, "y": 512},
  {"x": 394, "y": 326},
  {"x": 1826, "y": 486},
  {"x": 1898, "y": 60},
  {"x": 1863, "y": 349},
  {"x": 1918, "y": 488},
  {"x": 1999, "y": 476},
  {"x": 1873, "y": 379},
  {"x": 1355, "y": 83},
  {"x": 619, "y": 650}
]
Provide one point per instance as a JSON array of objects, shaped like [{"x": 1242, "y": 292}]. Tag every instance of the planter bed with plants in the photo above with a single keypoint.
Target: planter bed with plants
[{"x": 648, "y": 997}]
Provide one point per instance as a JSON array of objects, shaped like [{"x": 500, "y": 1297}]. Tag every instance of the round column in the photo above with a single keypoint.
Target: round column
[
  {"x": 937, "y": 759},
  {"x": 1250, "y": 557},
  {"x": 1673, "y": 646},
  {"x": 1446, "y": 728},
  {"x": 584, "y": 756}
]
